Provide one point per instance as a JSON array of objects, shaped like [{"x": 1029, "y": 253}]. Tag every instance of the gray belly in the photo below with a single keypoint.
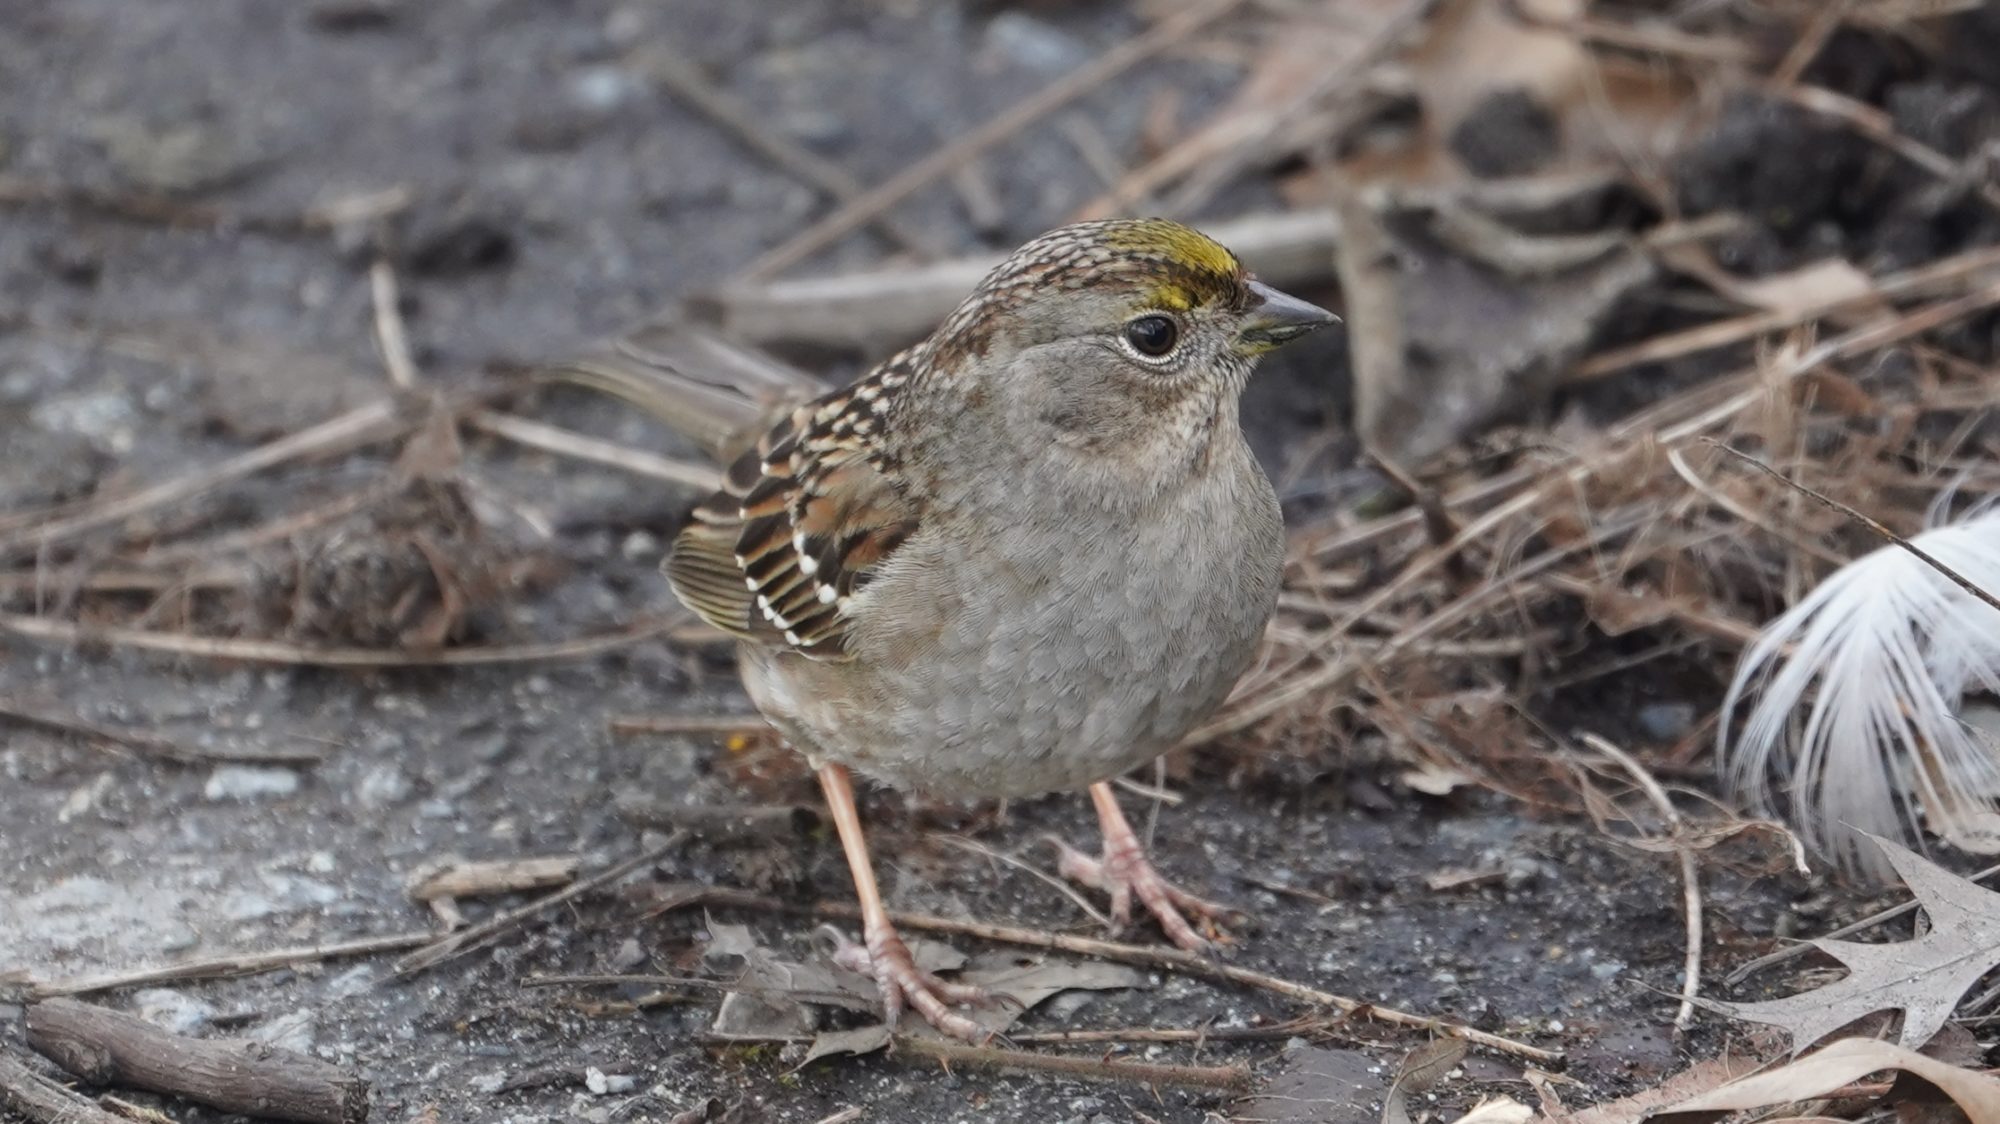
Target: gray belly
[{"x": 1035, "y": 662}]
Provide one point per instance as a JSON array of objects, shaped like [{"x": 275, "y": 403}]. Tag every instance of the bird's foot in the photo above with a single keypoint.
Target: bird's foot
[
  {"x": 1124, "y": 872},
  {"x": 884, "y": 958}
]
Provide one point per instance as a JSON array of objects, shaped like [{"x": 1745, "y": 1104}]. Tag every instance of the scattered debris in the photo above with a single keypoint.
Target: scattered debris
[
  {"x": 1653, "y": 230},
  {"x": 1152, "y": 956}
]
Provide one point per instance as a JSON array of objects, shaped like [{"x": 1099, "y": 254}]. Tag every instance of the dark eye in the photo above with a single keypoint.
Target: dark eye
[{"x": 1153, "y": 335}]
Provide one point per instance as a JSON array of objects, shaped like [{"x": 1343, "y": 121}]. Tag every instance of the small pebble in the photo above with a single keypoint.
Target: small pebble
[
  {"x": 106, "y": 420},
  {"x": 172, "y": 1011},
  {"x": 1522, "y": 872},
  {"x": 628, "y": 956},
  {"x": 249, "y": 782},
  {"x": 352, "y": 982},
  {"x": 1034, "y": 44},
  {"x": 176, "y": 936},
  {"x": 602, "y": 88},
  {"x": 1666, "y": 722}
]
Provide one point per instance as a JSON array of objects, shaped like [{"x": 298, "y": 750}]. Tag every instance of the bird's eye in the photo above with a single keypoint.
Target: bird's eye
[{"x": 1153, "y": 335}]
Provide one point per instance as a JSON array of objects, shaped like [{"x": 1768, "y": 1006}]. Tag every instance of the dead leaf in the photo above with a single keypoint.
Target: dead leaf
[
  {"x": 1422, "y": 1068},
  {"x": 1316, "y": 1085},
  {"x": 1473, "y": 48},
  {"x": 1286, "y": 79},
  {"x": 1433, "y": 779},
  {"x": 1498, "y": 1110},
  {"x": 1834, "y": 280},
  {"x": 1841, "y": 1064},
  {"x": 1696, "y": 1080},
  {"x": 1834, "y": 392},
  {"x": 1923, "y": 978},
  {"x": 1491, "y": 348},
  {"x": 745, "y": 1014},
  {"x": 775, "y": 996},
  {"x": 1618, "y": 611},
  {"x": 1026, "y": 979},
  {"x": 1031, "y": 979},
  {"x": 1459, "y": 878},
  {"x": 709, "y": 1109},
  {"x": 1427, "y": 1065},
  {"x": 860, "y": 1040},
  {"x": 1834, "y": 288}
]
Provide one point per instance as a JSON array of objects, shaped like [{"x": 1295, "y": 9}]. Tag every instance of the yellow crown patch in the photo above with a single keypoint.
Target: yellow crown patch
[
  {"x": 1173, "y": 242},
  {"x": 1196, "y": 268}
]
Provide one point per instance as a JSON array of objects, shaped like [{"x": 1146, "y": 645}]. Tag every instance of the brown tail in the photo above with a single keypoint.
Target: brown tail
[{"x": 715, "y": 392}]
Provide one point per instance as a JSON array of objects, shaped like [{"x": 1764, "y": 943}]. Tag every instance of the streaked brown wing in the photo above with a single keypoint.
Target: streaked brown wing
[{"x": 800, "y": 525}]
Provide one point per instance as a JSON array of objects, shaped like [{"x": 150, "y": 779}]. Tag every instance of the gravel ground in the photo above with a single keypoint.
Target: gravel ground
[{"x": 559, "y": 195}]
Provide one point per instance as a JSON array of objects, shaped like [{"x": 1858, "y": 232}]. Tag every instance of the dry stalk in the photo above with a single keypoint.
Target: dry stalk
[
  {"x": 367, "y": 425},
  {"x": 1690, "y": 874},
  {"x": 280, "y": 652}
]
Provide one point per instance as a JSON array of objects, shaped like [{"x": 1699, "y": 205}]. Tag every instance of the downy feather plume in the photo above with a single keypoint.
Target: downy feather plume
[{"x": 1859, "y": 691}]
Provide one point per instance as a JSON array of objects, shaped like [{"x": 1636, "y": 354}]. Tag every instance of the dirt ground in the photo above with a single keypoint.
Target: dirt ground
[{"x": 560, "y": 196}]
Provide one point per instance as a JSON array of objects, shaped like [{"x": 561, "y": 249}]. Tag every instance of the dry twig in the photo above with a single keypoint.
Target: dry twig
[
  {"x": 230, "y": 965},
  {"x": 457, "y": 878},
  {"x": 686, "y": 82},
  {"x": 1690, "y": 874},
  {"x": 1226, "y": 1077},
  {"x": 367, "y": 425},
  {"x": 1048, "y": 99},
  {"x": 478, "y": 936},
  {"x": 562, "y": 442},
  {"x": 1152, "y": 956},
  {"x": 390, "y": 335},
  {"x": 878, "y": 310},
  {"x": 278, "y": 652},
  {"x": 1921, "y": 280},
  {"x": 152, "y": 745},
  {"x": 106, "y": 1047}
]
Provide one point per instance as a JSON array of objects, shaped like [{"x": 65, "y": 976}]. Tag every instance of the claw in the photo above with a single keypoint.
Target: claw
[
  {"x": 1124, "y": 872},
  {"x": 885, "y": 959}
]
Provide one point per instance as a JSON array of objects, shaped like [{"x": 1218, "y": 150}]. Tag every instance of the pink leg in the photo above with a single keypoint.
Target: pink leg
[
  {"x": 1124, "y": 871},
  {"x": 882, "y": 955}
]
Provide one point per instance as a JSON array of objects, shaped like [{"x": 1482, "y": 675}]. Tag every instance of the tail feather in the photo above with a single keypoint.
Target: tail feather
[{"x": 715, "y": 392}]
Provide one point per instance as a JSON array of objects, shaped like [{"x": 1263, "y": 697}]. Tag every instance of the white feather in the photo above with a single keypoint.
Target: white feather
[{"x": 1858, "y": 691}]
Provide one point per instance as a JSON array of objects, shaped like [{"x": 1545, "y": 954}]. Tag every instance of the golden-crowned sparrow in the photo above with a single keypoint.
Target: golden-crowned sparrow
[{"x": 1026, "y": 554}]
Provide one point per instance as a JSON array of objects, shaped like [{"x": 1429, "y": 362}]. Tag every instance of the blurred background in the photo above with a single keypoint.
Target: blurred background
[{"x": 308, "y": 584}]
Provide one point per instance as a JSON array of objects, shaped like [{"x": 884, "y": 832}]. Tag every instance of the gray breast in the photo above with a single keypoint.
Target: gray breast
[{"x": 1042, "y": 657}]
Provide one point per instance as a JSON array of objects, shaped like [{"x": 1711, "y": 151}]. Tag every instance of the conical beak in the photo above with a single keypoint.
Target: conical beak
[{"x": 1277, "y": 319}]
